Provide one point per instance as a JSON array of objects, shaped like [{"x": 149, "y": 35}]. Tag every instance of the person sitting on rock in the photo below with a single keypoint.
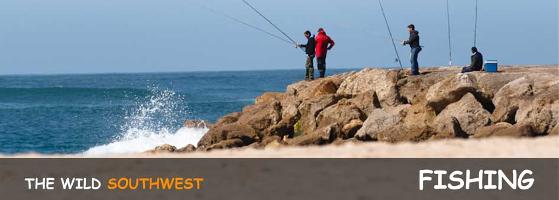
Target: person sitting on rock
[{"x": 476, "y": 63}]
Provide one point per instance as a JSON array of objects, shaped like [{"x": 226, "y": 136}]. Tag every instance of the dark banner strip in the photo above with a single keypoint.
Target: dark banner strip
[{"x": 279, "y": 179}]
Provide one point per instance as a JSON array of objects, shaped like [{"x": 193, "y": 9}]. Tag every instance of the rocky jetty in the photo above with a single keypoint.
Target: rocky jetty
[{"x": 387, "y": 105}]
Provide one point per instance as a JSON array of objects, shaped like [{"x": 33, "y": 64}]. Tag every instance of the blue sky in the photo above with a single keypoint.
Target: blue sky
[{"x": 98, "y": 36}]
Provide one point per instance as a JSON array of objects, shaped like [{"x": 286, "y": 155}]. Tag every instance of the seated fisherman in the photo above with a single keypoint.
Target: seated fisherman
[{"x": 476, "y": 63}]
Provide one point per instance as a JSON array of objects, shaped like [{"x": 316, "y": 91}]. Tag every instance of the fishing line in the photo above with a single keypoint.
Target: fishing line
[
  {"x": 244, "y": 23},
  {"x": 449, "y": 35},
  {"x": 261, "y": 15},
  {"x": 390, "y": 33},
  {"x": 475, "y": 26}
]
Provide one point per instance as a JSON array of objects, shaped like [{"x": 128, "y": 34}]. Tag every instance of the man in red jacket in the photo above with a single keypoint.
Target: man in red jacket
[{"x": 323, "y": 44}]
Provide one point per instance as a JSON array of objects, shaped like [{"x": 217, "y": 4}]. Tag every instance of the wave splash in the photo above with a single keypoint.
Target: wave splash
[{"x": 151, "y": 123}]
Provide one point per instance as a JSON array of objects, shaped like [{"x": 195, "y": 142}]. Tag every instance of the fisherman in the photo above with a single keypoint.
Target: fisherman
[
  {"x": 309, "y": 50},
  {"x": 476, "y": 63},
  {"x": 413, "y": 41},
  {"x": 323, "y": 44}
]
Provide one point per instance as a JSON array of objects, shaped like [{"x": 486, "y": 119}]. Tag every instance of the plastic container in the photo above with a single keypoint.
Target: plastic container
[{"x": 491, "y": 66}]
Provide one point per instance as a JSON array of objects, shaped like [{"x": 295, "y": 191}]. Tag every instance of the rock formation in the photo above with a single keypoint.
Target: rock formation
[{"x": 387, "y": 105}]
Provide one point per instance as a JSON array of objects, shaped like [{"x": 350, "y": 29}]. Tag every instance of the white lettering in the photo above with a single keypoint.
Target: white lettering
[
  {"x": 453, "y": 178},
  {"x": 521, "y": 180},
  {"x": 422, "y": 178}
]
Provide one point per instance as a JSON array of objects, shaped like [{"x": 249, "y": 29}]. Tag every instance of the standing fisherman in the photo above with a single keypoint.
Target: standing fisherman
[
  {"x": 309, "y": 50},
  {"x": 413, "y": 41},
  {"x": 323, "y": 44}
]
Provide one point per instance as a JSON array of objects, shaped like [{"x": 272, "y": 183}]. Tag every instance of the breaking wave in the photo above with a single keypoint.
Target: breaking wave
[{"x": 152, "y": 122}]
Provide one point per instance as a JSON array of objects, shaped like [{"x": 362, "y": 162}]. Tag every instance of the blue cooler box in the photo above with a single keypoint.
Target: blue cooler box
[{"x": 491, "y": 65}]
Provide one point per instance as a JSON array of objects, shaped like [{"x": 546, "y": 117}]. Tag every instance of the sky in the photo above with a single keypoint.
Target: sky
[{"x": 121, "y": 36}]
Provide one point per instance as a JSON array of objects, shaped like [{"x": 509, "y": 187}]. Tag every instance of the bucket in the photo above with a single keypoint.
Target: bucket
[{"x": 491, "y": 65}]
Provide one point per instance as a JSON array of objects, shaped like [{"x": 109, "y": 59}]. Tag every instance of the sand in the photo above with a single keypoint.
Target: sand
[{"x": 497, "y": 147}]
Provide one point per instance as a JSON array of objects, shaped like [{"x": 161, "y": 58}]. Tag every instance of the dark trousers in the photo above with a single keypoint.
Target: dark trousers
[
  {"x": 309, "y": 65},
  {"x": 413, "y": 58},
  {"x": 468, "y": 69},
  {"x": 321, "y": 65}
]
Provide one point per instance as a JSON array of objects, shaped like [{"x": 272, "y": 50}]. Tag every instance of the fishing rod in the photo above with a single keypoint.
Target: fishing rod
[
  {"x": 475, "y": 26},
  {"x": 390, "y": 33},
  {"x": 244, "y": 23},
  {"x": 261, "y": 15},
  {"x": 449, "y": 36}
]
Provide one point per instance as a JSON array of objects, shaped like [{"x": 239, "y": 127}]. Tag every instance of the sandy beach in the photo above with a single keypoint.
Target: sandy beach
[{"x": 498, "y": 147}]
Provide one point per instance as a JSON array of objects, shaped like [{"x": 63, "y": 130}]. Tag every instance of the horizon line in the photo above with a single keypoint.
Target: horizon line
[{"x": 242, "y": 70}]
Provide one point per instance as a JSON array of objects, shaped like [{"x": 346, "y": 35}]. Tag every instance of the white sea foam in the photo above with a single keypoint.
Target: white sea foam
[
  {"x": 150, "y": 124},
  {"x": 147, "y": 140}
]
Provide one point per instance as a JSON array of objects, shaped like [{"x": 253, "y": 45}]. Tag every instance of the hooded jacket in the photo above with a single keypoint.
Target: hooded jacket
[
  {"x": 413, "y": 41},
  {"x": 477, "y": 62},
  {"x": 310, "y": 46},
  {"x": 322, "y": 42}
]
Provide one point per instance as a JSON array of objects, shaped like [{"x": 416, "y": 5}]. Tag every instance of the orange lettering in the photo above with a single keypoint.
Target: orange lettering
[{"x": 111, "y": 184}]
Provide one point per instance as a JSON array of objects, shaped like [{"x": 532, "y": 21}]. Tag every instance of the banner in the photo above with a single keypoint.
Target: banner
[{"x": 279, "y": 179}]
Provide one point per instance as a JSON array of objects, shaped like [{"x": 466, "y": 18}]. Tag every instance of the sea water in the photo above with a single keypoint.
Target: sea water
[{"x": 122, "y": 113}]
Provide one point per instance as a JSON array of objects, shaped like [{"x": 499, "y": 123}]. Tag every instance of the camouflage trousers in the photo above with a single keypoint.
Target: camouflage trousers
[{"x": 309, "y": 65}]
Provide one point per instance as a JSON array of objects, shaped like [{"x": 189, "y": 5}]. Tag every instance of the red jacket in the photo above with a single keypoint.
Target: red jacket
[{"x": 322, "y": 42}]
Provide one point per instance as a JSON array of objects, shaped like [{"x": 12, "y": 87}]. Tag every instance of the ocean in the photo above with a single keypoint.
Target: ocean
[{"x": 123, "y": 113}]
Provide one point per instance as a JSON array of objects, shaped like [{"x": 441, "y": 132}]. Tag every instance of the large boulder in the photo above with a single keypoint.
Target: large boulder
[
  {"x": 517, "y": 130},
  {"x": 508, "y": 99},
  {"x": 269, "y": 97},
  {"x": 290, "y": 111},
  {"x": 228, "y": 119},
  {"x": 226, "y": 144},
  {"x": 492, "y": 129},
  {"x": 366, "y": 102},
  {"x": 305, "y": 90},
  {"x": 530, "y": 100},
  {"x": 450, "y": 90},
  {"x": 324, "y": 135},
  {"x": 196, "y": 124},
  {"x": 310, "y": 109},
  {"x": 254, "y": 123},
  {"x": 381, "y": 81},
  {"x": 488, "y": 84},
  {"x": 554, "y": 130},
  {"x": 187, "y": 149},
  {"x": 270, "y": 140},
  {"x": 350, "y": 129},
  {"x": 413, "y": 89},
  {"x": 229, "y": 131},
  {"x": 288, "y": 107},
  {"x": 402, "y": 123},
  {"x": 462, "y": 117},
  {"x": 290, "y": 115},
  {"x": 304, "y": 140},
  {"x": 483, "y": 86},
  {"x": 380, "y": 120},
  {"x": 342, "y": 113},
  {"x": 411, "y": 132},
  {"x": 261, "y": 116},
  {"x": 165, "y": 148},
  {"x": 542, "y": 112}
]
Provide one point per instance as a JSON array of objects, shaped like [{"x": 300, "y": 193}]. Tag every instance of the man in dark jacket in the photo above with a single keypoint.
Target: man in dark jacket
[
  {"x": 309, "y": 50},
  {"x": 476, "y": 63},
  {"x": 413, "y": 41}
]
